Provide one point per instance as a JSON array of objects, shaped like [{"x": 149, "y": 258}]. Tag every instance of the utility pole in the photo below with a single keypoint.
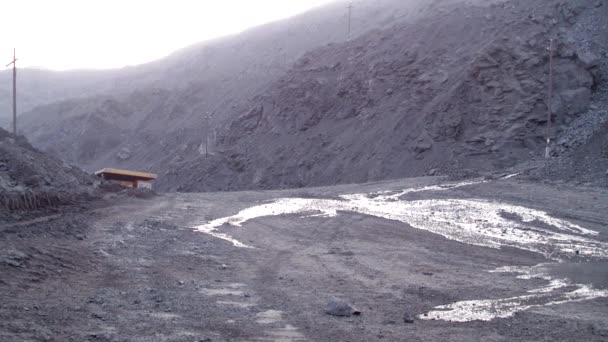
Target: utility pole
[
  {"x": 207, "y": 129},
  {"x": 549, "y": 109},
  {"x": 350, "y": 15},
  {"x": 14, "y": 63}
]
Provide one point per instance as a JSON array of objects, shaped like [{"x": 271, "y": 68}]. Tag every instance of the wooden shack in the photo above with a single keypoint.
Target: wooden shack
[{"x": 128, "y": 179}]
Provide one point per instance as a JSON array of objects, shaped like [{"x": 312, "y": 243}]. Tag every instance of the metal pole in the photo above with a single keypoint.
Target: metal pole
[{"x": 549, "y": 109}]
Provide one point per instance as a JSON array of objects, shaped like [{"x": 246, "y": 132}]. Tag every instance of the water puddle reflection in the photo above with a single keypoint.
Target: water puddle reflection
[{"x": 472, "y": 221}]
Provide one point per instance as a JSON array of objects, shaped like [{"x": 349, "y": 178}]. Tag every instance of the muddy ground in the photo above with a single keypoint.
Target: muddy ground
[{"x": 131, "y": 269}]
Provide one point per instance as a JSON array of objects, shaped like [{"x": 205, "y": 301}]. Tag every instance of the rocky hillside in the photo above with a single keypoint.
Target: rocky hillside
[
  {"x": 162, "y": 119},
  {"x": 464, "y": 88},
  {"x": 433, "y": 87},
  {"x": 219, "y": 70},
  {"x": 30, "y": 180}
]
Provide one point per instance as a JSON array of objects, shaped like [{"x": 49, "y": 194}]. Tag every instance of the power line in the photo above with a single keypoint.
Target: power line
[{"x": 14, "y": 63}]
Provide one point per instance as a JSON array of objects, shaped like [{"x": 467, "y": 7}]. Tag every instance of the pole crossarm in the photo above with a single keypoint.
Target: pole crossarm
[{"x": 14, "y": 61}]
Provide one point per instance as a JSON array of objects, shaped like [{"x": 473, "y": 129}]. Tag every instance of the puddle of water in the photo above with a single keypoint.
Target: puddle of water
[
  {"x": 391, "y": 195},
  {"x": 511, "y": 176},
  {"x": 164, "y": 315},
  {"x": 558, "y": 291},
  {"x": 489, "y": 309},
  {"x": 474, "y": 222},
  {"x": 269, "y": 317},
  {"x": 222, "y": 292},
  {"x": 237, "y": 304},
  {"x": 288, "y": 333},
  {"x": 591, "y": 273}
]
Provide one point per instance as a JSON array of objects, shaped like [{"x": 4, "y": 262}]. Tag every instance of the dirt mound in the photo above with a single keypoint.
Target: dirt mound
[
  {"x": 464, "y": 88},
  {"x": 31, "y": 181}
]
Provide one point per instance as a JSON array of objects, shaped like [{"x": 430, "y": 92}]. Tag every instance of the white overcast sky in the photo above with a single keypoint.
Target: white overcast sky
[{"x": 99, "y": 34}]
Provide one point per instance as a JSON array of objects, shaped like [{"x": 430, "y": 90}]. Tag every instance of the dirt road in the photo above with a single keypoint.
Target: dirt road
[{"x": 422, "y": 259}]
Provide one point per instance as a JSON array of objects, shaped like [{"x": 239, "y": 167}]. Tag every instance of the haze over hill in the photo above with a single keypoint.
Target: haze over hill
[
  {"x": 272, "y": 47},
  {"x": 445, "y": 85}
]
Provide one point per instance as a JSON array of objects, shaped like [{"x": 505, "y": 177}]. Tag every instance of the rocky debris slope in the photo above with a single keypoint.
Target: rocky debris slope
[
  {"x": 464, "y": 88},
  {"x": 31, "y": 181},
  {"x": 580, "y": 152}
]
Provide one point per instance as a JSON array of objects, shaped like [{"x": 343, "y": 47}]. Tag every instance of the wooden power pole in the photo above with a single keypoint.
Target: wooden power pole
[
  {"x": 207, "y": 129},
  {"x": 350, "y": 16},
  {"x": 550, "y": 98},
  {"x": 14, "y": 63}
]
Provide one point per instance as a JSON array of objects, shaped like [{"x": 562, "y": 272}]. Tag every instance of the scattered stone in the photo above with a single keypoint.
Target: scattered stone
[
  {"x": 408, "y": 319},
  {"x": 423, "y": 146},
  {"x": 337, "y": 307},
  {"x": 433, "y": 172},
  {"x": 12, "y": 262},
  {"x": 124, "y": 154},
  {"x": 97, "y": 316},
  {"x": 14, "y": 258},
  {"x": 589, "y": 59},
  {"x": 224, "y": 266}
]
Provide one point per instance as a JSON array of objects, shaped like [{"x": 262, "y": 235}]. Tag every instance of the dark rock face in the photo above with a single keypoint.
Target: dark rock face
[{"x": 451, "y": 91}]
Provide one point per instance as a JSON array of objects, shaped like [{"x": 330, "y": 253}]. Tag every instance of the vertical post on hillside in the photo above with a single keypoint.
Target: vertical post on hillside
[
  {"x": 550, "y": 97},
  {"x": 350, "y": 15},
  {"x": 207, "y": 129},
  {"x": 14, "y": 63}
]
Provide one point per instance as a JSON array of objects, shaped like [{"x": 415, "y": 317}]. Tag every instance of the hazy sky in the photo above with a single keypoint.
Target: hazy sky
[{"x": 72, "y": 34}]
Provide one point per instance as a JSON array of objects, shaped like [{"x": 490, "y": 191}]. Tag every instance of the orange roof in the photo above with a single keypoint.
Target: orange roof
[{"x": 142, "y": 175}]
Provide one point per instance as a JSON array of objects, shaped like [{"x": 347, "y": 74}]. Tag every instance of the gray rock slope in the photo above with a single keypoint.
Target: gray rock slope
[
  {"x": 445, "y": 85},
  {"x": 464, "y": 88},
  {"x": 30, "y": 180},
  {"x": 159, "y": 110}
]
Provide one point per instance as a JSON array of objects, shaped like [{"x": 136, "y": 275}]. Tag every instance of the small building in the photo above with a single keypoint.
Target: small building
[{"x": 128, "y": 179}]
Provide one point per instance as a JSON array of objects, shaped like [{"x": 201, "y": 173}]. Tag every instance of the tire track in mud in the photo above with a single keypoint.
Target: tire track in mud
[{"x": 237, "y": 300}]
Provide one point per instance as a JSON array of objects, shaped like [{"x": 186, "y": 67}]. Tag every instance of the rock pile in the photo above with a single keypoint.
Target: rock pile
[{"x": 30, "y": 180}]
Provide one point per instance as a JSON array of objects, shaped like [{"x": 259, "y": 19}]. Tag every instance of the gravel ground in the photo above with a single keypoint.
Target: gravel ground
[{"x": 136, "y": 270}]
